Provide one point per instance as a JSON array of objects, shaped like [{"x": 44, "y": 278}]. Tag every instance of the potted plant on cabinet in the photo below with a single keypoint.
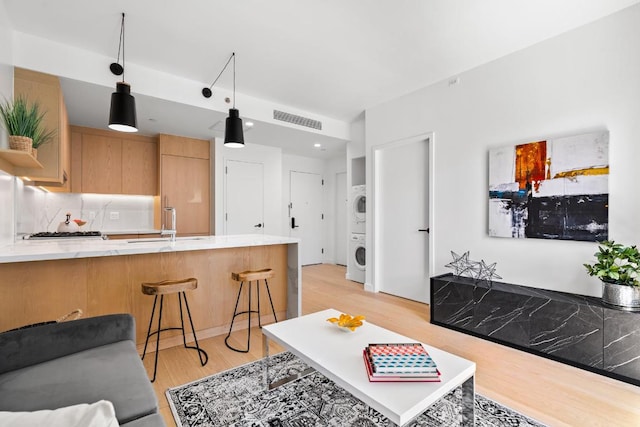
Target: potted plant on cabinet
[
  {"x": 618, "y": 267},
  {"x": 23, "y": 122}
]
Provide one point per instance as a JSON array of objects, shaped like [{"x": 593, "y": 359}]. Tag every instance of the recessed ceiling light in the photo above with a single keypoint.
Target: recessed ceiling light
[
  {"x": 248, "y": 124},
  {"x": 317, "y": 145}
]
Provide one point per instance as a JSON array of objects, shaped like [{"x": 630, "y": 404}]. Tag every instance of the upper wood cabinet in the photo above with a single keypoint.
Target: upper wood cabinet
[
  {"x": 185, "y": 184},
  {"x": 54, "y": 155},
  {"x": 108, "y": 162}
]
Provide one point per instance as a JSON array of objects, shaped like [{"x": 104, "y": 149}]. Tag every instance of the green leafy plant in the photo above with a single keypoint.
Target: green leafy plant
[
  {"x": 616, "y": 263},
  {"x": 21, "y": 119}
]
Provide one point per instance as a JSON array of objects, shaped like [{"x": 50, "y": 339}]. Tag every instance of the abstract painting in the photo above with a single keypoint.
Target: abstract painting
[{"x": 552, "y": 189}]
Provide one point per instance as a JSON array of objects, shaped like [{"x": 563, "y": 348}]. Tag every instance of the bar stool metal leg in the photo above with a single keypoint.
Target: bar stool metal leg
[
  {"x": 233, "y": 318},
  {"x": 155, "y": 364},
  {"x": 249, "y": 311},
  {"x": 249, "y": 314},
  {"x": 201, "y": 352},
  {"x": 146, "y": 341},
  {"x": 202, "y": 355},
  {"x": 273, "y": 310}
]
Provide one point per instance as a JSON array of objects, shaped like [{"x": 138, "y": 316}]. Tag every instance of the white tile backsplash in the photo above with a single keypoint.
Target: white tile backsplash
[
  {"x": 40, "y": 211},
  {"x": 7, "y": 206}
]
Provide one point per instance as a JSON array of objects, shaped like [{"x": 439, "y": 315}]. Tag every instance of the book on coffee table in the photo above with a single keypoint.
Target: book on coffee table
[
  {"x": 396, "y": 377},
  {"x": 400, "y": 359}
]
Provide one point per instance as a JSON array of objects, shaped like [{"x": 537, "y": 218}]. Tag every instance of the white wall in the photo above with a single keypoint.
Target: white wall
[
  {"x": 7, "y": 182},
  {"x": 331, "y": 168},
  {"x": 271, "y": 157},
  {"x": 356, "y": 147},
  {"x": 584, "y": 80}
]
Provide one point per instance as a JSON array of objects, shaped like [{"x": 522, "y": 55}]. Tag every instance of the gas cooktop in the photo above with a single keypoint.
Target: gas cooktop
[{"x": 65, "y": 234}]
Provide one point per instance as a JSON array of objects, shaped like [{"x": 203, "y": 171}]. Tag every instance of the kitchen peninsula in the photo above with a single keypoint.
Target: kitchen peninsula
[{"x": 41, "y": 281}]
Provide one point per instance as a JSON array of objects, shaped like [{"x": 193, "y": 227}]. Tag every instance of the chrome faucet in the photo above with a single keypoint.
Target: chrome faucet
[{"x": 171, "y": 231}]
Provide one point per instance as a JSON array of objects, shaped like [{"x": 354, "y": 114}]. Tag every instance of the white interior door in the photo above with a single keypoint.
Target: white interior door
[
  {"x": 402, "y": 219},
  {"x": 341, "y": 237},
  {"x": 305, "y": 215},
  {"x": 244, "y": 197}
]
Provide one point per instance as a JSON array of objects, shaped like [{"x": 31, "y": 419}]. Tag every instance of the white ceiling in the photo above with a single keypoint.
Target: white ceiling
[{"x": 333, "y": 58}]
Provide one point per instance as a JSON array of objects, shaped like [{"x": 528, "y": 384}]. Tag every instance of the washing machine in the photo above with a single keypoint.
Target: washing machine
[
  {"x": 357, "y": 263},
  {"x": 358, "y": 208}
]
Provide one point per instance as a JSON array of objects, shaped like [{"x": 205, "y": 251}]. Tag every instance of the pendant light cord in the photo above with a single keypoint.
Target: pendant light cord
[
  {"x": 233, "y": 56},
  {"x": 121, "y": 46},
  {"x": 122, "y": 41}
]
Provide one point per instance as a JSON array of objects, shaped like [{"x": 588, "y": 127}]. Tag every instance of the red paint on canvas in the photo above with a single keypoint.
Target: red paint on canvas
[{"x": 531, "y": 162}]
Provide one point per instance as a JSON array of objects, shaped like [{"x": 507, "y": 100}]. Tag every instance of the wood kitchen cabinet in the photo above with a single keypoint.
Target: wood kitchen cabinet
[
  {"x": 185, "y": 184},
  {"x": 107, "y": 162},
  {"x": 54, "y": 156}
]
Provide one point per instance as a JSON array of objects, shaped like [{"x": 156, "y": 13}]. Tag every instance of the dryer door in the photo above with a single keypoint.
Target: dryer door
[
  {"x": 360, "y": 207},
  {"x": 359, "y": 256}
]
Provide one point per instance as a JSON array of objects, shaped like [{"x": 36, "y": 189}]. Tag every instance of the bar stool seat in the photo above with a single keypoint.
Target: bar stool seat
[
  {"x": 163, "y": 288},
  {"x": 250, "y": 276}
]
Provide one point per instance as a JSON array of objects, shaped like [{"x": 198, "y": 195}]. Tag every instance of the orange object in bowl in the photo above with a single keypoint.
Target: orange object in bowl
[{"x": 79, "y": 222}]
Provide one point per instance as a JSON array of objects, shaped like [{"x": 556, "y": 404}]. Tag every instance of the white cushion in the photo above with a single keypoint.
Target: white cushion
[{"x": 99, "y": 414}]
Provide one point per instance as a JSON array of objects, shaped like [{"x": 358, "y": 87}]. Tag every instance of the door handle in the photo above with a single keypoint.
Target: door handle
[
  {"x": 293, "y": 223},
  {"x": 258, "y": 225},
  {"x": 423, "y": 229}
]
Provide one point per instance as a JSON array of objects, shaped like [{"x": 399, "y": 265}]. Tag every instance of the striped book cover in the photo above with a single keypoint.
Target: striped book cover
[
  {"x": 373, "y": 377},
  {"x": 401, "y": 358}
]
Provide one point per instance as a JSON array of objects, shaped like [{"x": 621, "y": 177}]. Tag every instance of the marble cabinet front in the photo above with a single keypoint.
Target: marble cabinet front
[{"x": 575, "y": 329}]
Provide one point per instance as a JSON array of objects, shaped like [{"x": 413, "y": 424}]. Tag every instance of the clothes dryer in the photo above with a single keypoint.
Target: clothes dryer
[{"x": 358, "y": 208}]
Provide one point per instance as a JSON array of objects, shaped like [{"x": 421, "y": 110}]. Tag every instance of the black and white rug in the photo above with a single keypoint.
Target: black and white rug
[{"x": 237, "y": 397}]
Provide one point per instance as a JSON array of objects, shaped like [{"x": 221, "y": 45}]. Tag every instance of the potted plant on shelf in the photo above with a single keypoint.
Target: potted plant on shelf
[
  {"x": 24, "y": 123},
  {"x": 618, "y": 267}
]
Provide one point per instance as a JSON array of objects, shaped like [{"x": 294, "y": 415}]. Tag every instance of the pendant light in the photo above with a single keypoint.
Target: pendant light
[
  {"x": 233, "y": 133},
  {"x": 122, "y": 115}
]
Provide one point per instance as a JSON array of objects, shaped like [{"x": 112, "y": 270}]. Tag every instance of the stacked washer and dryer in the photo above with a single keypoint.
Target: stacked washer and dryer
[{"x": 356, "y": 264}]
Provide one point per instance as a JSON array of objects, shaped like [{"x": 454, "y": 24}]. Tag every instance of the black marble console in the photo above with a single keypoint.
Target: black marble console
[{"x": 574, "y": 329}]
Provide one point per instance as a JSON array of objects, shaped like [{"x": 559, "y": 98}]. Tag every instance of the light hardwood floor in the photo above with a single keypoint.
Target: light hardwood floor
[{"x": 548, "y": 391}]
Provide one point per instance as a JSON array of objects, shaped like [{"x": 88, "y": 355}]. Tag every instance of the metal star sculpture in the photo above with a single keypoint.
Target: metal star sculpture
[
  {"x": 460, "y": 263},
  {"x": 487, "y": 272},
  {"x": 477, "y": 270}
]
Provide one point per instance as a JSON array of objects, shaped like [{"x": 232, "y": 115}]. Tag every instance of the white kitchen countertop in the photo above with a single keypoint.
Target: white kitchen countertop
[
  {"x": 42, "y": 250},
  {"x": 117, "y": 232}
]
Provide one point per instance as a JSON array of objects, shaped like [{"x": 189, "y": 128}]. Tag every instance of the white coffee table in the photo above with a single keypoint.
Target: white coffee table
[{"x": 337, "y": 354}]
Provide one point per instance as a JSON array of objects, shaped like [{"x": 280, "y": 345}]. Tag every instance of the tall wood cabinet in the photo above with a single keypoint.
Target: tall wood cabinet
[
  {"x": 54, "y": 155},
  {"x": 185, "y": 184},
  {"x": 108, "y": 162}
]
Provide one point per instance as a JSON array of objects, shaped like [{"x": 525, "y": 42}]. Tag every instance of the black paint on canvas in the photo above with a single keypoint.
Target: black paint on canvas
[{"x": 580, "y": 217}]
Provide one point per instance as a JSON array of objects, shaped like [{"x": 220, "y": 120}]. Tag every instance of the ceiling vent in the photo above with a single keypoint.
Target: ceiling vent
[{"x": 297, "y": 120}]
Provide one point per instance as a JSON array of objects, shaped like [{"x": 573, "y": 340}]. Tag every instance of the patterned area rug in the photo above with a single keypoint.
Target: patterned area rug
[{"x": 237, "y": 398}]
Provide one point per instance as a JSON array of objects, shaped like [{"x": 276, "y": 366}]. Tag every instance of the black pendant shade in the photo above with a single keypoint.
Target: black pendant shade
[
  {"x": 122, "y": 115},
  {"x": 233, "y": 135}
]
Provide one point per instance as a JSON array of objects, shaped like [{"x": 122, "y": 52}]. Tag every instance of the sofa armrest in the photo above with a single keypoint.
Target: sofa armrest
[{"x": 26, "y": 347}]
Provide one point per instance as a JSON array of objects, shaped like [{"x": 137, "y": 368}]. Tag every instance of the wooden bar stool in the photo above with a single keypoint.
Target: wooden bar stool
[
  {"x": 171, "y": 287},
  {"x": 250, "y": 276}
]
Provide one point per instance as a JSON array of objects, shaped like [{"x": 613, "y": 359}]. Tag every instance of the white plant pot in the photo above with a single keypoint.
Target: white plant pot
[{"x": 621, "y": 297}]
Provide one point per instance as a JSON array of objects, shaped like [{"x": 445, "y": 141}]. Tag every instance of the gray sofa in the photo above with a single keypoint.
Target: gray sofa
[{"x": 82, "y": 361}]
